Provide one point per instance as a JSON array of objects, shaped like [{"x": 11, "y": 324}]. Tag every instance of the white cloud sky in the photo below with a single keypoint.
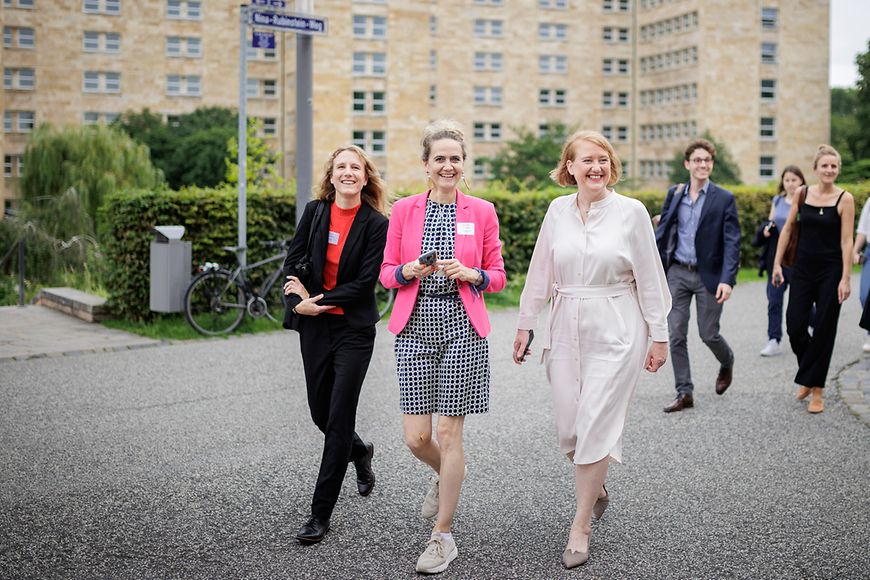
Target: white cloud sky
[{"x": 850, "y": 30}]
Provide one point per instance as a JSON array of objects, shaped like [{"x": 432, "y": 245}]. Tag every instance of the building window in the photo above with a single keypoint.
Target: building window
[
  {"x": 482, "y": 170},
  {"x": 433, "y": 94},
  {"x": 487, "y": 61},
  {"x": 19, "y": 37},
  {"x": 767, "y": 128},
  {"x": 768, "y": 89},
  {"x": 622, "y": 99},
  {"x": 189, "y": 85},
  {"x": 607, "y": 131},
  {"x": 607, "y": 99},
  {"x": 488, "y": 2},
  {"x": 13, "y": 165},
  {"x": 488, "y": 96},
  {"x": 433, "y": 25},
  {"x": 553, "y": 4},
  {"x": 766, "y": 166},
  {"x": 270, "y": 88},
  {"x": 488, "y": 28},
  {"x": 769, "y": 17},
  {"x": 768, "y": 53},
  {"x": 552, "y": 97},
  {"x": 22, "y": 79},
  {"x": 622, "y": 134},
  {"x": 369, "y": 64},
  {"x": 433, "y": 59},
  {"x": 548, "y": 31},
  {"x": 270, "y": 127},
  {"x": 105, "y": 7},
  {"x": 374, "y": 102},
  {"x": 487, "y": 131},
  {"x": 184, "y": 9},
  {"x": 18, "y": 121},
  {"x": 91, "y": 41},
  {"x": 374, "y": 142},
  {"x": 552, "y": 63},
  {"x": 369, "y": 26}
]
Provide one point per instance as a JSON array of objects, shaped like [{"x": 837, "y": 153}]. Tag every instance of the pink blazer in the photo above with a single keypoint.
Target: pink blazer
[{"x": 482, "y": 249}]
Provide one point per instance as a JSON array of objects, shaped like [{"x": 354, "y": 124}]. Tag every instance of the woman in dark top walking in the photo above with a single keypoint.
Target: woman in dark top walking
[{"x": 821, "y": 273}]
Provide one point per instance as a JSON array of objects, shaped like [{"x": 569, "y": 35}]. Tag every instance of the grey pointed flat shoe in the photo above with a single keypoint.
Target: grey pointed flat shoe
[
  {"x": 572, "y": 559},
  {"x": 601, "y": 504}
]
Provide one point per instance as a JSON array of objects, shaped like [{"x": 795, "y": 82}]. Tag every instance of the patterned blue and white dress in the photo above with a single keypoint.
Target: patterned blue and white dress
[{"x": 442, "y": 363}]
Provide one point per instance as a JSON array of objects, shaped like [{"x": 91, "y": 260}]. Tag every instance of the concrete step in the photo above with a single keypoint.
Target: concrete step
[{"x": 74, "y": 302}]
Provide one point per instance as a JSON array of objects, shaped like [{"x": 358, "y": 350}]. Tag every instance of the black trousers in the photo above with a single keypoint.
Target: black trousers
[
  {"x": 817, "y": 283},
  {"x": 336, "y": 358}
]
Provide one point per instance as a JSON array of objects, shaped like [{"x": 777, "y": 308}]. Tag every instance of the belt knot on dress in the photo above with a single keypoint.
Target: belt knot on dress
[{"x": 594, "y": 291}]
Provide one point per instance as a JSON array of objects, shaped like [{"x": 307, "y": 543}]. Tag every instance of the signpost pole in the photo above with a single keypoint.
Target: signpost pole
[
  {"x": 304, "y": 113},
  {"x": 243, "y": 135}
]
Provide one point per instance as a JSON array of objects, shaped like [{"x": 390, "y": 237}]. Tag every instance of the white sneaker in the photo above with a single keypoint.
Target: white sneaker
[
  {"x": 440, "y": 551},
  {"x": 866, "y": 347},
  {"x": 430, "y": 502},
  {"x": 772, "y": 348}
]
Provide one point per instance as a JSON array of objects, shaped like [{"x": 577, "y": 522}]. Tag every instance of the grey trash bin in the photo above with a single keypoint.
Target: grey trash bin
[{"x": 170, "y": 269}]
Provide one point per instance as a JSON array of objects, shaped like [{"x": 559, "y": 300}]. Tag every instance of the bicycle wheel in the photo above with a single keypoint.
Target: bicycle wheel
[
  {"x": 384, "y": 298},
  {"x": 274, "y": 298},
  {"x": 214, "y": 304}
]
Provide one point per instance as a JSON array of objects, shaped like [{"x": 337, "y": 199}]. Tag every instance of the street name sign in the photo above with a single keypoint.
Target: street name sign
[
  {"x": 299, "y": 23},
  {"x": 272, "y": 3}
]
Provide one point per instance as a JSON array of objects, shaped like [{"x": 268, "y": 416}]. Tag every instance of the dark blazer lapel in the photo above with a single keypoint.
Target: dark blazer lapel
[
  {"x": 353, "y": 236},
  {"x": 712, "y": 199},
  {"x": 675, "y": 204}
]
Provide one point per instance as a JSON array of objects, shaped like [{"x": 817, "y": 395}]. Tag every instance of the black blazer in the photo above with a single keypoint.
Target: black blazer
[
  {"x": 358, "y": 267},
  {"x": 717, "y": 241}
]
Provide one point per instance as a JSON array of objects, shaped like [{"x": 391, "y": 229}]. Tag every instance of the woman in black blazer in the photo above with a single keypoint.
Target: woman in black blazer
[{"x": 333, "y": 308}]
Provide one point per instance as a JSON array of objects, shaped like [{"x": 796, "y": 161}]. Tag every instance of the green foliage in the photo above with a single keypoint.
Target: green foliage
[
  {"x": 526, "y": 162},
  {"x": 261, "y": 161},
  {"x": 78, "y": 167},
  {"x": 210, "y": 220},
  {"x": 725, "y": 169},
  {"x": 192, "y": 150},
  {"x": 862, "y": 106}
]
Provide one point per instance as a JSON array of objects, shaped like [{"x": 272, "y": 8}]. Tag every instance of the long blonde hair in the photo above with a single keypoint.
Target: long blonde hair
[{"x": 373, "y": 192}]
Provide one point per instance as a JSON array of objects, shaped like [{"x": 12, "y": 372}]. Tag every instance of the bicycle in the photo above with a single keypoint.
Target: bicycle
[{"x": 217, "y": 299}]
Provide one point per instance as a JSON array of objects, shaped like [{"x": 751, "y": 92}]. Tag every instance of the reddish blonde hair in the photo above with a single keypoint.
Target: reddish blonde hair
[{"x": 561, "y": 175}]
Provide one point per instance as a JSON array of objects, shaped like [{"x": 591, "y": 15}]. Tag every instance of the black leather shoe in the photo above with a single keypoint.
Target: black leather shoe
[
  {"x": 683, "y": 401},
  {"x": 365, "y": 477},
  {"x": 313, "y": 530},
  {"x": 723, "y": 381}
]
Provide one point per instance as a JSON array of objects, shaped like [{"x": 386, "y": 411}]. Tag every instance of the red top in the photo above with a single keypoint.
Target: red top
[{"x": 340, "y": 221}]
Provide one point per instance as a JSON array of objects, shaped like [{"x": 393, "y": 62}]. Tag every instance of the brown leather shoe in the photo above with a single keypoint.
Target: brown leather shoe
[
  {"x": 683, "y": 401},
  {"x": 817, "y": 403},
  {"x": 803, "y": 393},
  {"x": 723, "y": 381}
]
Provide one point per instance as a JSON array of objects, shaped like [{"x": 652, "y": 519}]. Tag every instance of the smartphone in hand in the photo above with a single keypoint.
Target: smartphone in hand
[
  {"x": 428, "y": 258},
  {"x": 528, "y": 344}
]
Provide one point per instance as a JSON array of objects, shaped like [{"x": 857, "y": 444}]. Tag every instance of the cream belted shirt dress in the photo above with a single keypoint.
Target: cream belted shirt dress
[{"x": 608, "y": 297}]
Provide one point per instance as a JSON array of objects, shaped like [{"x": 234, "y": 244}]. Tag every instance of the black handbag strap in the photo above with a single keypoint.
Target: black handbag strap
[{"x": 315, "y": 221}]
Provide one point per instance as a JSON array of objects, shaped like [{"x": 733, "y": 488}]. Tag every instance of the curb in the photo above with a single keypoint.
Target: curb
[{"x": 852, "y": 380}]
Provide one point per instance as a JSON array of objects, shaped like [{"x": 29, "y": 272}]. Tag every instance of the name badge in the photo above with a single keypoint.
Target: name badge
[
  {"x": 333, "y": 238},
  {"x": 465, "y": 228}
]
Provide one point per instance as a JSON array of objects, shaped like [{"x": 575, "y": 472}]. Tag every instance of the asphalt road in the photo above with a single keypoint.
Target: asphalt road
[{"x": 197, "y": 460}]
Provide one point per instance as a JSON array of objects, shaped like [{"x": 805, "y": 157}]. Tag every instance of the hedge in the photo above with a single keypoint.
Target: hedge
[{"x": 209, "y": 216}]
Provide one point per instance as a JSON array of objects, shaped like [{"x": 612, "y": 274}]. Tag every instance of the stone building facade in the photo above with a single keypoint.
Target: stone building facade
[{"x": 649, "y": 74}]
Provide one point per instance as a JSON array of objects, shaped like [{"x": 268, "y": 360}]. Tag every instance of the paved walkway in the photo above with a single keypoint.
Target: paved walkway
[{"x": 197, "y": 460}]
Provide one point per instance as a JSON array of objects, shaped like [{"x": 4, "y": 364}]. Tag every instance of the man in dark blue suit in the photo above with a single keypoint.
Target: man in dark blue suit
[{"x": 698, "y": 238}]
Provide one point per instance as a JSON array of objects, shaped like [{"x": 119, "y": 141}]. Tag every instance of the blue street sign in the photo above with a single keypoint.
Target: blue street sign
[
  {"x": 272, "y": 3},
  {"x": 298, "y": 23},
  {"x": 262, "y": 39}
]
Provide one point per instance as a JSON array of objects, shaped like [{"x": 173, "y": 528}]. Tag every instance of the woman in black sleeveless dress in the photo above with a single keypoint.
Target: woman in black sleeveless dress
[{"x": 821, "y": 273}]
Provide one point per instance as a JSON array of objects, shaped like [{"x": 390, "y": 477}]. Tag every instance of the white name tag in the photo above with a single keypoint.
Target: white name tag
[
  {"x": 465, "y": 228},
  {"x": 333, "y": 238}
]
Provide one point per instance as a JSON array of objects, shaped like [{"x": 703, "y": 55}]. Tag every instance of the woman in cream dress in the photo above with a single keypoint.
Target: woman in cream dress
[{"x": 596, "y": 262}]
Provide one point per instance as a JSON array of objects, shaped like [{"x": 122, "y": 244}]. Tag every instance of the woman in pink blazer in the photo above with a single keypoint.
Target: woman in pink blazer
[{"x": 442, "y": 253}]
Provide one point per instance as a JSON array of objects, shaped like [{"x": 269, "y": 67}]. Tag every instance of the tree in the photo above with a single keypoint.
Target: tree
[
  {"x": 725, "y": 170},
  {"x": 525, "y": 162},
  {"x": 862, "y": 105},
  {"x": 845, "y": 133},
  {"x": 261, "y": 160},
  {"x": 77, "y": 167},
  {"x": 190, "y": 151}
]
